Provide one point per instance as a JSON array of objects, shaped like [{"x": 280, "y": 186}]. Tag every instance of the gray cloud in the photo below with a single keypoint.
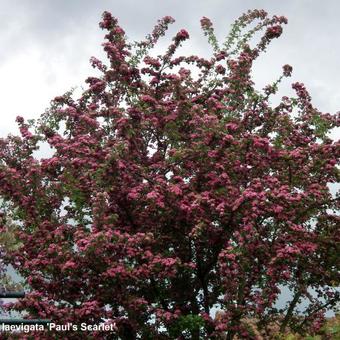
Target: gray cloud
[{"x": 59, "y": 37}]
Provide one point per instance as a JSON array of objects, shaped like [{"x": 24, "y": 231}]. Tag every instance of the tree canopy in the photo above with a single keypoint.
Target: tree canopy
[{"x": 178, "y": 201}]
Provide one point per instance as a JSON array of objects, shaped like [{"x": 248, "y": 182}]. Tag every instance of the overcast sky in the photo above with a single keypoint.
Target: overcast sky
[{"x": 45, "y": 45}]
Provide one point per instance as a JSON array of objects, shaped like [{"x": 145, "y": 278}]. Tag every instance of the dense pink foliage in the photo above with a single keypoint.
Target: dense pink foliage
[{"x": 170, "y": 195}]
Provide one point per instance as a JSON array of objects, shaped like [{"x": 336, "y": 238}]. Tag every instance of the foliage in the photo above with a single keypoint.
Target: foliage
[{"x": 170, "y": 195}]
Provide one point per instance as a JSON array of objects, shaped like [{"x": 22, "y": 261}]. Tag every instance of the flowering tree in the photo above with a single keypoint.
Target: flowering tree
[{"x": 176, "y": 205}]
